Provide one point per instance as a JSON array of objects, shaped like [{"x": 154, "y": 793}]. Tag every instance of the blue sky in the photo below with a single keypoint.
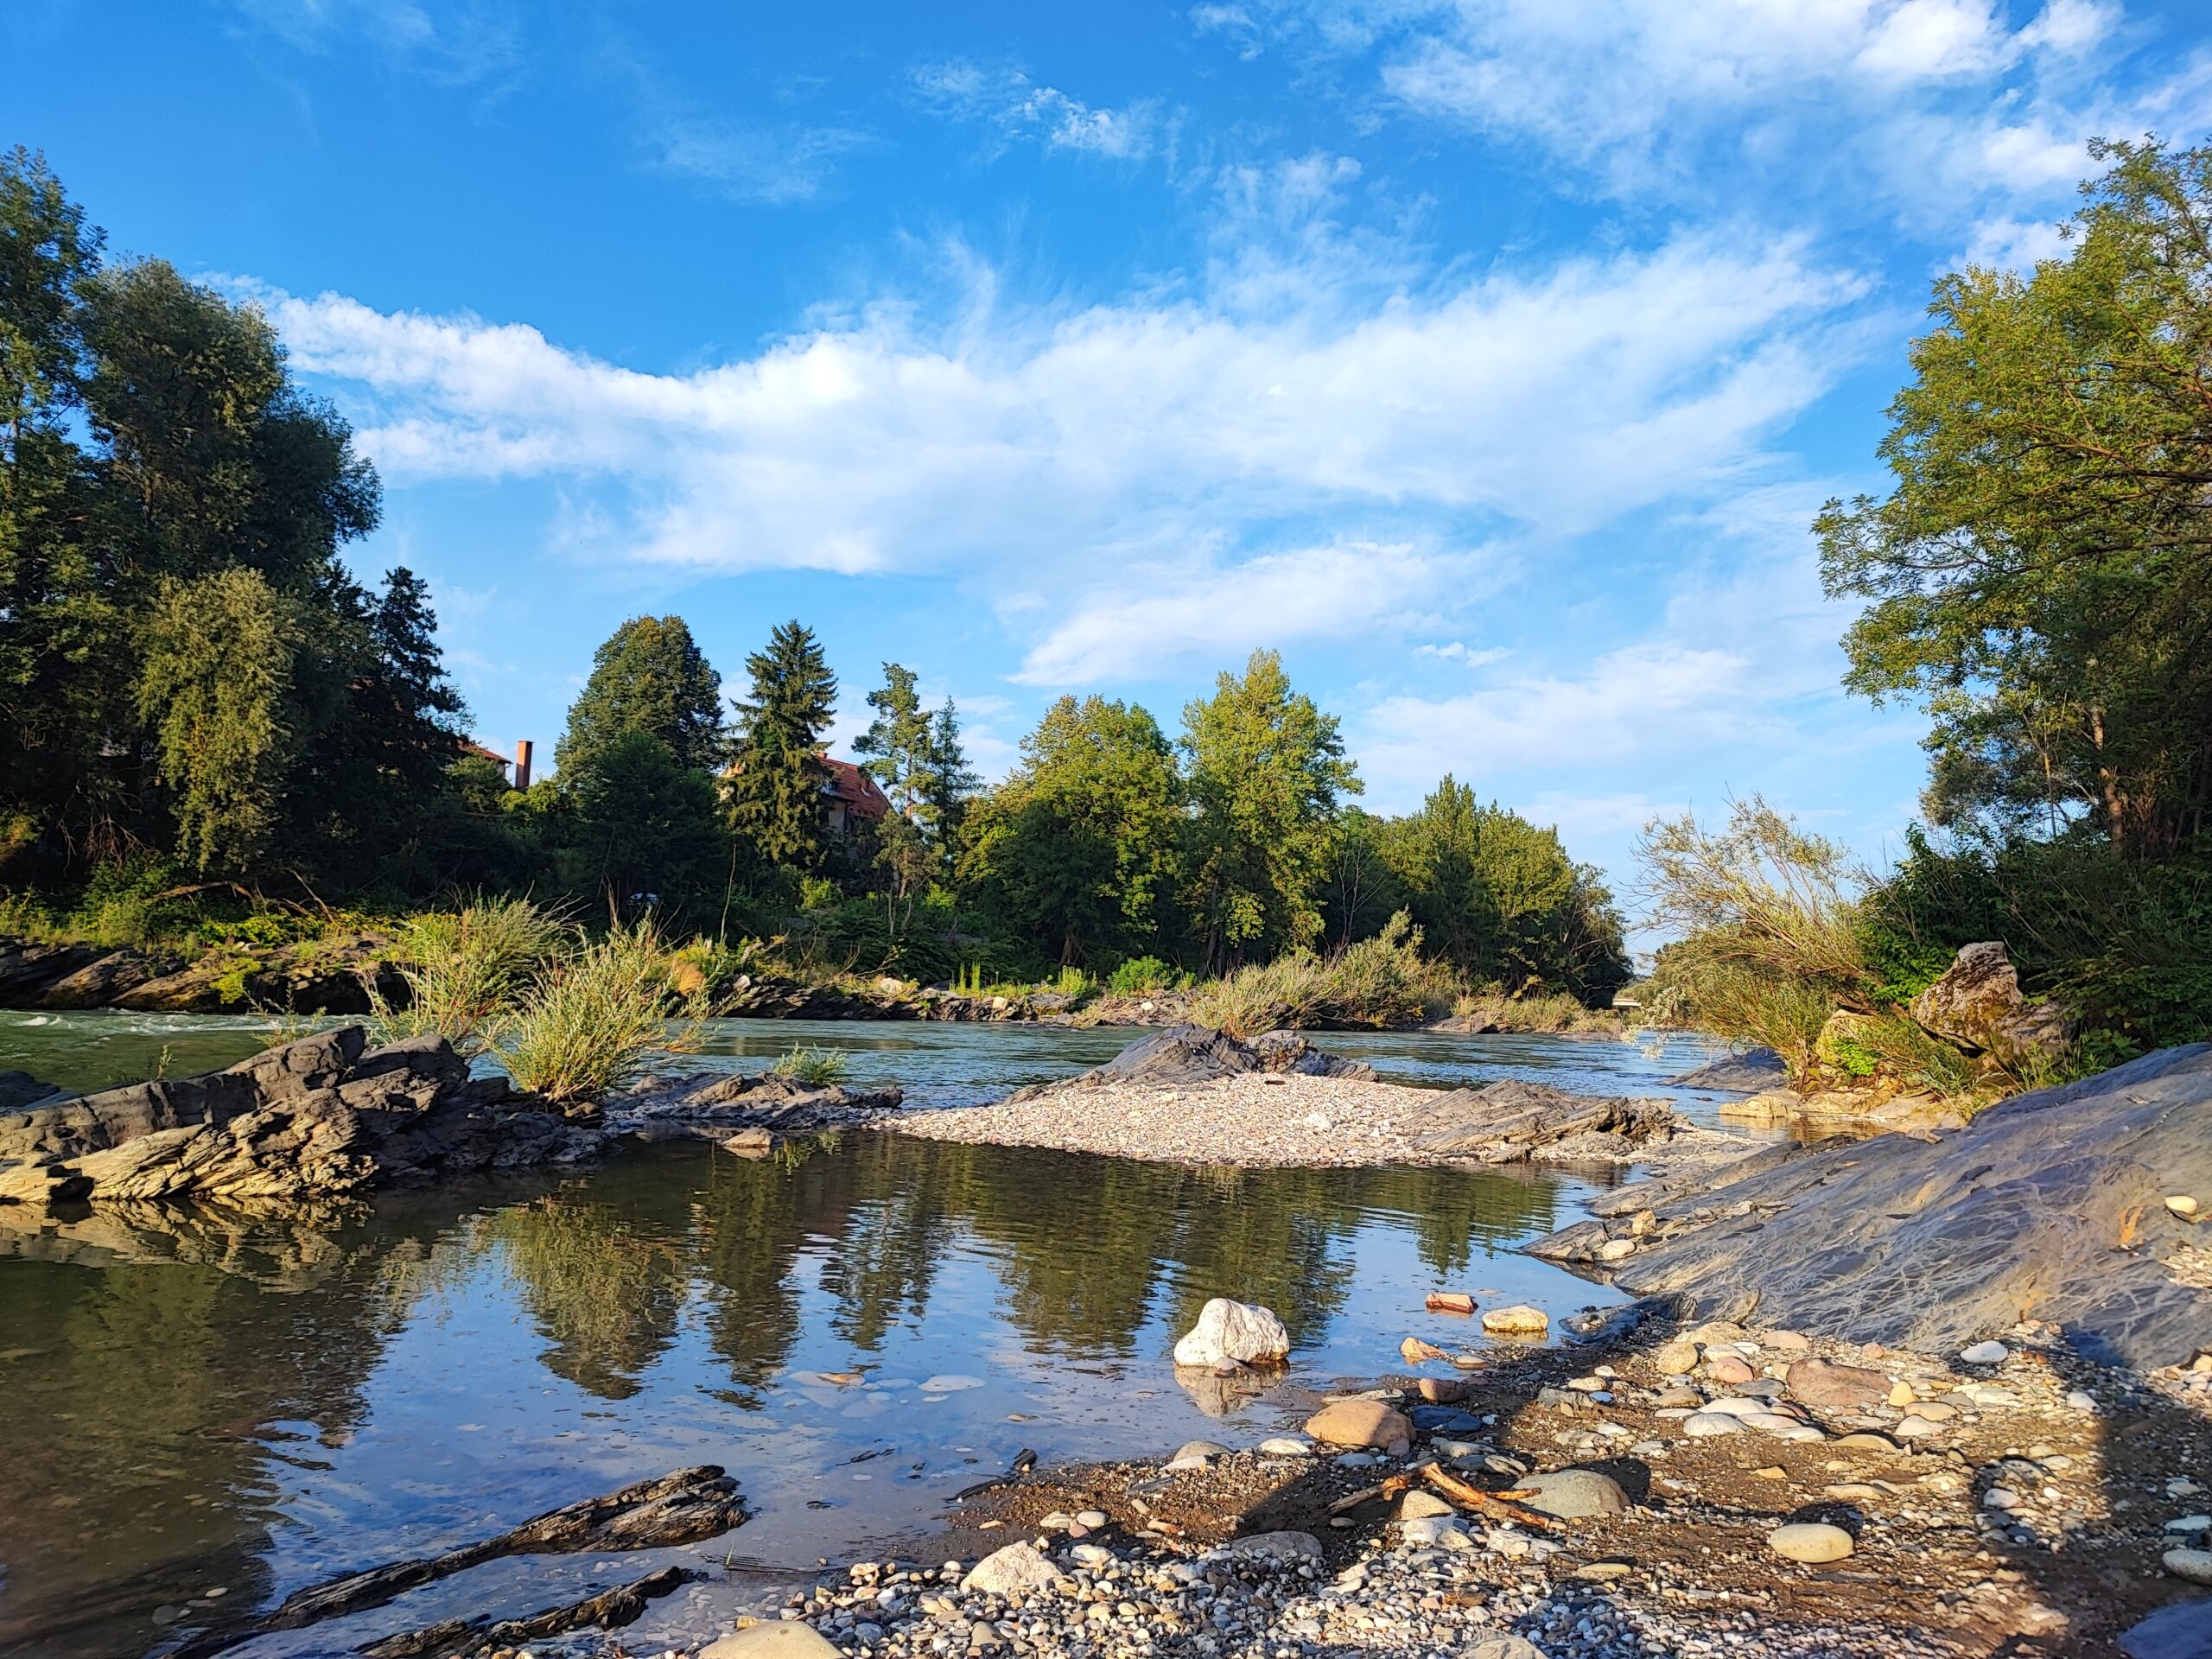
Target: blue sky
[{"x": 1488, "y": 358}]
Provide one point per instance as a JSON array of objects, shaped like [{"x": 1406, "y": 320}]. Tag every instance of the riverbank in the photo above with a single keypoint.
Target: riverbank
[{"x": 1959, "y": 1507}]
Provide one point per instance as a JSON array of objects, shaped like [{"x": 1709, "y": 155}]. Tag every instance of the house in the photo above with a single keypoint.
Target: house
[
  {"x": 475, "y": 751},
  {"x": 854, "y": 798}
]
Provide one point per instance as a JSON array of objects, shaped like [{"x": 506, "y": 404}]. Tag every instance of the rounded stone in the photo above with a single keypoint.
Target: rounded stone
[
  {"x": 1286, "y": 1446},
  {"x": 1518, "y": 1320},
  {"x": 1016, "y": 1570},
  {"x": 1420, "y": 1505},
  {"x": 2194, "y": 1565},
  {"x": 1810, "y": 1541},
  {"x": 776, "y": 1639},
  {"x": 1704, "y": 1425},
  {"x": 1360, "y": 1422},
  {"x": 1573, "y": 1494},
  {"x": 1731, "y": 1370},
  {"x": 1985, "y": 1353}
]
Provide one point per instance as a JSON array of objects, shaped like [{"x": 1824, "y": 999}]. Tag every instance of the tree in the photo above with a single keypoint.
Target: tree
[
  {"x": 1362, "y": 892},
  {"x": 953, "y": 782},
  {"x": 1266, "y": 770},
  {"x": 897, "y": 742},
  {"x": 1077, "y": 852},
  {"x": 2038, "y": 576},
  {"x": 645, "y": 830},
  {"x": 213, "y": 686},
  {"x": 651, "y": 676},
  {"x": 778, "y": 775}
]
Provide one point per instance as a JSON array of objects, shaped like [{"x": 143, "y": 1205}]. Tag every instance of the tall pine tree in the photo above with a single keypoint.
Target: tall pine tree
[{"x": 778, "y": 776}]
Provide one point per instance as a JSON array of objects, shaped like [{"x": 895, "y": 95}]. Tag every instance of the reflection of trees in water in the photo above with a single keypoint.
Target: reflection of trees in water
[
  {"x": 605, "y": 1287},
  {"x": 144, "y": 1357}
]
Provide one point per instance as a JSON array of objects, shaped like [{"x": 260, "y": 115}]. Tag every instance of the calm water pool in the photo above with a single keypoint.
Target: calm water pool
[{"x": 201, "y": 1400}]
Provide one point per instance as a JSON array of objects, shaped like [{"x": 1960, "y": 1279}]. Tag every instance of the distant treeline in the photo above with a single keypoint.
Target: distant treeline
[{"x": 197, "y": 695}]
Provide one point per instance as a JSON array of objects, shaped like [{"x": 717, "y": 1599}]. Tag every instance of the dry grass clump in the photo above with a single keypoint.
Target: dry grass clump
[
  {"x": 464, "y": 969},
  {"x": 1549, "y": 1012},
  {"x": 1381, "y": 981}
]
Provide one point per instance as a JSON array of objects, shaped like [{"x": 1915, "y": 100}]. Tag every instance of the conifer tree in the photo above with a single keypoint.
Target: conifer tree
[{"x": 778, "y": 775}]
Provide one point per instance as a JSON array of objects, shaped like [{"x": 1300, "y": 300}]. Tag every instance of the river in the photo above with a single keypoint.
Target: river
[{"x": 200, "y": 1402}]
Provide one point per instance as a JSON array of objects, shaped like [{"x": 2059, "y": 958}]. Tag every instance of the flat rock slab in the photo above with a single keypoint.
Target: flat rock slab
[
  {"x": 1747, "y": 1073},
  {"x": 1929, "y": 1242}
]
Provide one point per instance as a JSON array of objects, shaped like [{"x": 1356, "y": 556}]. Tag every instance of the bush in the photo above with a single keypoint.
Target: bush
[
  {"x": 817, "y": 1067},
  {"x": 1533, "y": 1011},
  {"x": 590, "y": 1018},
  {"x": 1381, "y": 981},
  {"x": 1141, "y": 975},
  {"x": 465, "y": 969}
]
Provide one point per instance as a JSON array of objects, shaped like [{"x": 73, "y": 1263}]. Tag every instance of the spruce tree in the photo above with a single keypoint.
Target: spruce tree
[{"x": 777, "y": 777}]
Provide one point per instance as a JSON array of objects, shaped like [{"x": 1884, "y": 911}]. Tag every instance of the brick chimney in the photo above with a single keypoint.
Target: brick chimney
[{"x": 522, "y": 763}]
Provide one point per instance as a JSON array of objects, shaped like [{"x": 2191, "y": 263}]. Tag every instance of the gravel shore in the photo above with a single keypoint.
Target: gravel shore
[{"x": 1263, "y": 1120}]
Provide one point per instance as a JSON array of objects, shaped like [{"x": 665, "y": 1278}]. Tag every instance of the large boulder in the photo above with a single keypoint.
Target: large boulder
[
  {"x": 2050, "y": 1205},
  {"x": 1977, "y": 1004},
  {"x": 1750, "y": 1072},
  {"x": 1183, "y": 1055},
  {"x": 25, "y": 969},
  {"x": 1234, "y": 1333}
]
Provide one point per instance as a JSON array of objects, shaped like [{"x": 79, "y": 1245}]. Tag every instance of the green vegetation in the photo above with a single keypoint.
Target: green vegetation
[
  {"x": 816, "y": 1067},
  {"x": 590, "y": 1018},
  {"x": 465, "y": 969},
  {"x": 1384, "y": 981}
]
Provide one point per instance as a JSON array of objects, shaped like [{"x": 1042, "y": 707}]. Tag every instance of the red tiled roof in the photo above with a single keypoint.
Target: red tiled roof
[
  {"x": 469, "y": 745},
  {"x": 848, "y": 783}
]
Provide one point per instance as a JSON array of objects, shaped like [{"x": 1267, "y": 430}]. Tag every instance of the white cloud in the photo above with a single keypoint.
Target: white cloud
[
  {"x": 2013, "y": 244},
  {"x": 1019, "y": 107},
  {"x": 1458, "y": 651},
  {"x": 1120, "y": 470},
  {"x": 467, "y": 41}
]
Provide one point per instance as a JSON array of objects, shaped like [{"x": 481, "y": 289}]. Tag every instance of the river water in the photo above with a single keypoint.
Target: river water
[{"x": 198, "y": 1401}]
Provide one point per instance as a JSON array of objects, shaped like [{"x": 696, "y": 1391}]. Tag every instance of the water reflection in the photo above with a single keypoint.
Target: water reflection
[{"x": 216, "y": 1398}]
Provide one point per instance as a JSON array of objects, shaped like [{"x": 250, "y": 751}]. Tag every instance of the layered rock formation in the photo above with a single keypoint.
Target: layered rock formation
[
  {"x": 1183, "y": 1055},
  {"x": 316, "y": 975},
  {"x": 324, "y": 1118}
]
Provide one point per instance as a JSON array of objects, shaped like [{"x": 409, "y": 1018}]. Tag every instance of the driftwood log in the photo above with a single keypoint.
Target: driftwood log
[
  {"x": 679, "y": 1508},
  {"x": 463, "y": 1638}
]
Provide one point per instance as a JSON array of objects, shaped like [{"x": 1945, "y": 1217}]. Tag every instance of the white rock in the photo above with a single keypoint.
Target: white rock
[
  {"x": 1286, "y": 1446},
  {"x": 778, "y": 1639},
  {"x": 1985, "y": 1353},
  {"x": 1437, "y": 1531},
  {"x": 1519, "y": 1319},
  {"x": 1916, "y": 1427},
  {"x": 1234, "y": 1333},
  {"x": 2081, "y": 1400},
  {"x": 950, "y": 1384},
  {"x": 1017, "y": 1570},
  {"x": 1741, "y": 1406},
  {"x": 2182, "y": 1205},
  {"x": 2194, "y": 1565},
  {"x": 1502, "y": 1644},
  {"x": 1093, "y": 1519},
  {"x": 1704, "y": 1425},
  {"x": 2000, "y": 1497}
]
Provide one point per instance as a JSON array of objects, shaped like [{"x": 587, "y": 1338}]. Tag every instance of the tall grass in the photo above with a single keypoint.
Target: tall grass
[
  {"x": 589, "y": 1018},
  {"x": 466, "y": 968},
  {"x": 816, "y": 1067},
  {"x": 1381, "y": 981},
  {"x": 1536, "y": 1011}
]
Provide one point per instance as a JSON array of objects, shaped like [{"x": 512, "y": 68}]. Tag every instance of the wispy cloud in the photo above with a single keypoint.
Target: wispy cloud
[
  {"x": 467, "y": 42},
  {"x": 769, "y": 165},
  {"x": 1017, "y": 107}
]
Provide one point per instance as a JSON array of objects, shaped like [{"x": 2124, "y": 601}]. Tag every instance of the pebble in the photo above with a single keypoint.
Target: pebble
[
  {"x": 1286, "y": 1446},
  {"x": 2182, "y": 1205},
  {"x": 1519, "y": 1319},
  {"x": 1704, "y": 1425},
  {"x": 1985, "y": 1353},
  {"x": 1573, "y": 1494},
  {"x": 2194, "y": 1565},
  {"x": 1810, "y": 1541}
]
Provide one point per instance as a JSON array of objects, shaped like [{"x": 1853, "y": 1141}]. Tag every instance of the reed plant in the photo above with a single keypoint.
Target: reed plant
[
  {"x": 466, "y": 969},
  {"x": 816, "y": 1067},
  {"x": 1381, "y": 981}
]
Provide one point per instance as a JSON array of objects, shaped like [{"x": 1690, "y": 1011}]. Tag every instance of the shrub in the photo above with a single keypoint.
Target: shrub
[
  {"x": 1074, "y": 981},
  {"x": 1537, "y": 1011},
  {"x": 466, "y": 968},
  {"x": 1139, "y": 974},
  {"x": 817, "y": 1067},
  {"x": 590, "y": 1018}
]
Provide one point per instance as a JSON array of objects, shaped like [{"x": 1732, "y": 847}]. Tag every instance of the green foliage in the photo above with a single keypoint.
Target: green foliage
[
  {"x": 2037, "y": 577},
  {"x": 213, "y": 684},
  {"x": 777, "y": 779},
  {"x": 649, "y": 677},
  {"x": 818, "y": 1068},
  {"x": 1498, "y": 898},
  {"x": 1078, "y": 850},
  {"x": 644, "y": 832},
  {"x": 1139, "y": 974},
  {"x": 1266, "y": 769},
  {"x": 590, "y": 1018}
]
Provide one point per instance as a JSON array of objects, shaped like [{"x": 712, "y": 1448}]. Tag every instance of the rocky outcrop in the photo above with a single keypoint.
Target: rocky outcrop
[
  {"x": 744, "y": 1113},
  {"x": 2052, "y": 1206},
  {"x": 327, "y": 975},
  {"x": 1184, "y": 1055},
  {"x": 324, "y": 1118},
  {"x": 1977, "y": 1004},
  {"x": 1508, "y": 1123},
  {"x": 1750, "y": 1072},
  {"x": 19, "y": 1089}
]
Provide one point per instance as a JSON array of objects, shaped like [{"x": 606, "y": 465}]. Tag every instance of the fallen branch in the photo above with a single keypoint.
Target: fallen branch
[
  {"x": 463, "y": 1638},
  {"x": 1498, "y": 1504},
  {"x": 1389, "y": 1488},
  {"x": 680, "y": 1507}
]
